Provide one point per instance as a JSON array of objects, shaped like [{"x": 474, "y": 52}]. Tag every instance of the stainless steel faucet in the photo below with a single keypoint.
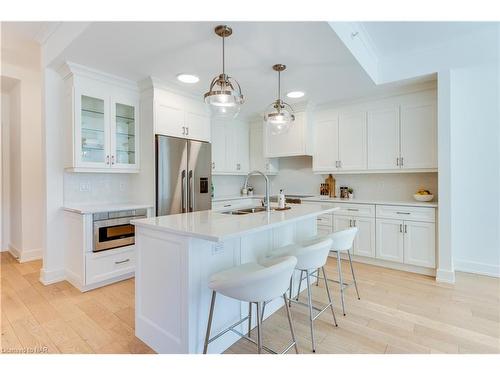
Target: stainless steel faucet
[{"x": 267, "y": 204}]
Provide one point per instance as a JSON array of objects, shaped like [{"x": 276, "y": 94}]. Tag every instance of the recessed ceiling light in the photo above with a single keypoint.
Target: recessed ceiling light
[
  {"x": 295, "y": 94},
  {"x": 188, "y": 78}
]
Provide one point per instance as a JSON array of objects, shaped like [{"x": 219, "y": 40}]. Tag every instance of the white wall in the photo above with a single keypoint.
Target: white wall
[
  {"x": 475, "y": 152},
  {"x": 21, "y": 61},
  {"x": 5, "y": 178}
]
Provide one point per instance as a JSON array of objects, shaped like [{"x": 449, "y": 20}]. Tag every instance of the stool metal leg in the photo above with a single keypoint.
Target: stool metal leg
[
  {"x": 209, "y": 325},
  {"x": 339, "y": 265},
  {"x": 259, "y": 327},
  {"x": 329, "y": 296},
  {"x": 317, "y": 277},
  {"x": 352, "y": 271},
  {"x": 300, "y": 284},
  {"x": 311, "y": 317},
  {"x": 290, "y": 291},
  {"x": 290, "y": 323},
  {"x": 249, "y": 319}
]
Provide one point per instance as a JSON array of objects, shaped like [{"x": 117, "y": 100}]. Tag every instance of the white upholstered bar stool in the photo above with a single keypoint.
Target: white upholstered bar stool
[
  {"x": 310, "y": 257},
  {"x": 342, "y": 241},
  {"x": 253, "y": 283}
]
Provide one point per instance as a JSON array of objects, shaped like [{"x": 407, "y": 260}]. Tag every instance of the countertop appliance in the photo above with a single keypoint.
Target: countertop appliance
[
  {"x": 183, "y": 175},
  {"x": 113, "y": 229}
]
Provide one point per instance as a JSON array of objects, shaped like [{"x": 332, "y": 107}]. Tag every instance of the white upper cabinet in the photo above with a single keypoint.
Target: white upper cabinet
[
  {"x": 326, "y": 144},
  {"x": 383, "y": 138},
  {"x": 352, "y": 141},
  {"x": 180, "y": 116},
  {"x": 230, "y": 147},
  {"x": 257, "y": 160},
  {"x": 103, "y": 122},
  {"x": 297, "y": 141},
  {"x": 393, "y": 134},
  {"x": 419, "y": 136}
]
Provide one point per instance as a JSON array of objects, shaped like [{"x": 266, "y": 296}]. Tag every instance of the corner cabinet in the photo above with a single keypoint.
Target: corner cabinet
[
  {"x": 102, "y": 114},
  {"x": 230, "y": 147},
  {"x": 258, "y": 162},
  {"x": 297, "y": 141}
]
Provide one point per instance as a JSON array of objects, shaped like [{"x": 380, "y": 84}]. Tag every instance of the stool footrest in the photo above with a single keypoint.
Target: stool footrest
[
  {"x": 320, "y": 311},
  {"x": 230, "y": 328},
  {"x": 263, "y": 346}
]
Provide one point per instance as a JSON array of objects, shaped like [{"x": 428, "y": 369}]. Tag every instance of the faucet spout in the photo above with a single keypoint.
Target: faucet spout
[{"x": 267, "y": 203}]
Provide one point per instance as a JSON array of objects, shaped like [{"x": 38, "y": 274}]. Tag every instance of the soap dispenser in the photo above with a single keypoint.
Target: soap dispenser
[{"x": 281, "y": 200}]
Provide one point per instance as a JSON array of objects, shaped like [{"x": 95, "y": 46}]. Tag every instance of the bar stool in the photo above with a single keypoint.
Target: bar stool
[
  {"x": 310, "y": 257},
  {"x": 341, "y": 242},
  {"x": 253, "y": 283}
]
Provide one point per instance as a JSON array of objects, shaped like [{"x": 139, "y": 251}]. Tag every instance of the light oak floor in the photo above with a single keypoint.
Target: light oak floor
[{"x": 398, "y": 312}]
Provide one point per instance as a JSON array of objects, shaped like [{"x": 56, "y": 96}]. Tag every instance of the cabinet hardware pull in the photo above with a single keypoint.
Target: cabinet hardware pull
[
  {"x": 403, "y": 213},
  {"x": 397, "y": 161},
  {"x": 350, "y": 223},
  {"x": 354, "y": 221},
  {"x": 400, "y": 228},
  {"x": 107, "y": 159},
  {"x": 123, "y": 261},
  {"x": 183, "y": 130},
  {"x": 353, "y": 209},
  {"x": 113, "y": 159},
  {"x": 187, "y": 130},
  {"x": 405, "y": 229},
  {"x": 340, "y": 163},
  {"x": 213, "y": 165},
  {"x": 227, "y": 205},
  {"x": 402, "y": 161}
]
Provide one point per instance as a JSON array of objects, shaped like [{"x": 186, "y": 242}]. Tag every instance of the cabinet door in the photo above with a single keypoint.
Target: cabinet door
[
  {"x": 291, "y": 143},
  {"x": 169, "y": 121},
  {"x": 197, "y": 126},
  {"x": 241, "y": 141},
  {"x": 419, "y": 136},
  {"x": 352, "y": 141},
  {"x": 124, "y": 133},
  {"x": 420, "y": 243},
  {"x": 218, "y": 146},
  {"x": 92, "y": 130},
  {"x": 257, "y": 160},
  {"x": 326, "y": 145},
  {"x": 389, "y": 240},
  {"x": 383, "y": 138},
  {"x": 364, "y": 243},
  {"x": 341, "y": 223}
]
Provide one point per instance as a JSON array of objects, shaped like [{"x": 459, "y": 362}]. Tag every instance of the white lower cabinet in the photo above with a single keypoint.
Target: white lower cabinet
[
  {"x": 408, "y": 242},
  {"x": 364, "y": 243},
  {"x": 419, "y": 243},
  {"x": 107, "y": 265},
  {"x": 390, "y": 240}
]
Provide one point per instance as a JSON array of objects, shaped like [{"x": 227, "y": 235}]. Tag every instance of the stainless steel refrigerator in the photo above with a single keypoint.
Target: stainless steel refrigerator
[{"x": 183, "y": 175}]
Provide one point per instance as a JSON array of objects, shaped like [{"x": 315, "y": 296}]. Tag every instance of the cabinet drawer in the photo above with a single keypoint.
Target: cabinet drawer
[
  {"x": 407, "y": 213},
  {"x": 352, "y": 209},
  {"x": 108, "y": 264},
  {"x": 325, "y": 220}
]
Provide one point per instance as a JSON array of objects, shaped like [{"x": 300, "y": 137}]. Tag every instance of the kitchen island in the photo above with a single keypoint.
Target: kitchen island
[{"x": 176, "y": 255}]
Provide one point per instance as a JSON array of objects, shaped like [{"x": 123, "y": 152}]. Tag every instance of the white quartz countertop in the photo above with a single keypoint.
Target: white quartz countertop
[
  {"x": 412, "y": 203},
  {"x": 94, "y": 208},
  {"x": 216, "y": 226}
]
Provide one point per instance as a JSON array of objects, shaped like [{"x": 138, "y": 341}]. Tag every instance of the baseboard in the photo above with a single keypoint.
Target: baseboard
[
  {"x": 51, "y": 277},
  {"x": 445, "y": 276},
  {"x": 476, "y": 267},
  {"x": 23, "y": 256}
]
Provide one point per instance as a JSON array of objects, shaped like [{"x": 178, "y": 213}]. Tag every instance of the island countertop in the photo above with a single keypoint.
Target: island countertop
[{"x": 216, "y": 226}]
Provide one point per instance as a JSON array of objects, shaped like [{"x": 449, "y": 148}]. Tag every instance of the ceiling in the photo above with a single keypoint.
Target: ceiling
[
  {"x": 27, "y": 31},
  {"x": 317, "y": 61},
  {"x": 391, "y": 38}
]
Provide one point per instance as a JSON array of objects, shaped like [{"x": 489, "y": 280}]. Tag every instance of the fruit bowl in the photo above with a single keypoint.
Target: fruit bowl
[{"x": 423, "y": 198}]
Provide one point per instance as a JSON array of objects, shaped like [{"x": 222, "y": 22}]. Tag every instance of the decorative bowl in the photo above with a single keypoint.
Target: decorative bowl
[{"x": 423, "y": 198}]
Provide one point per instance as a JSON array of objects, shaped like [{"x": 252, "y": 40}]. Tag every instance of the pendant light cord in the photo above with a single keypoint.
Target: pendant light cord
[
  {"x": 279, "y": 85},
  {"x": 223, "y": 57}
]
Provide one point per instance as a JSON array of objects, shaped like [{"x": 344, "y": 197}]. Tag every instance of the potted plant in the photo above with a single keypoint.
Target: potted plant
[{"x": 351, "y": 193}]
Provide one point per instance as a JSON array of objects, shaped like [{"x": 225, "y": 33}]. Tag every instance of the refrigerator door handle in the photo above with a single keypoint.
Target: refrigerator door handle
[
  {"x": 183, "y": 190},
  {"x": 191, "y": 190}
]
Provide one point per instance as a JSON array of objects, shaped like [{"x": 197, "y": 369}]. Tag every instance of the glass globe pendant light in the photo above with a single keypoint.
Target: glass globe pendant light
[
  {"x": 279, "y": 115},
  {"x": 224, "y": 96}
]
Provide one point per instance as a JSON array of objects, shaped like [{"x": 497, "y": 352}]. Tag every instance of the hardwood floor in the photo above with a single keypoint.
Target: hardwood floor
[{"x": 398, "y": 313}]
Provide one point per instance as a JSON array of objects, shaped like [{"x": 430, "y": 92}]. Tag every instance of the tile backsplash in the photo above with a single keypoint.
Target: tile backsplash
[{"x": 92, "y": 188}]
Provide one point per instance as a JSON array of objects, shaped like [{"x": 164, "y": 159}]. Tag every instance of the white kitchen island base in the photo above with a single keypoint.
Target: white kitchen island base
[{"x": 172, "y": 272}]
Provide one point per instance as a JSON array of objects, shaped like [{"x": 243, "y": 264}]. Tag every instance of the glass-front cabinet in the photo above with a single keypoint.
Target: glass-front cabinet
[
  {"x": 124, "y": 134},
  {"x": 105, "y": 129}
]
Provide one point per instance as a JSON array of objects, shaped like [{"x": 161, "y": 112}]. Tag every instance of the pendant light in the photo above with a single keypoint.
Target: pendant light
[
  {"x": 224, "y": 96},
  {"x": 279, "y": 116}
]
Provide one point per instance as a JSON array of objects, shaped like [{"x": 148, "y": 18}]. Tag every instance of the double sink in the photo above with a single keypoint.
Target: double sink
[{"x": 245, "y": 211}]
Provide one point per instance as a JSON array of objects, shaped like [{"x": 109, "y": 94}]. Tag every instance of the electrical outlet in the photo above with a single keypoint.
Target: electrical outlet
[
  {"x": 123, "y": 186},
  {"x": 85, "y": 186}
]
